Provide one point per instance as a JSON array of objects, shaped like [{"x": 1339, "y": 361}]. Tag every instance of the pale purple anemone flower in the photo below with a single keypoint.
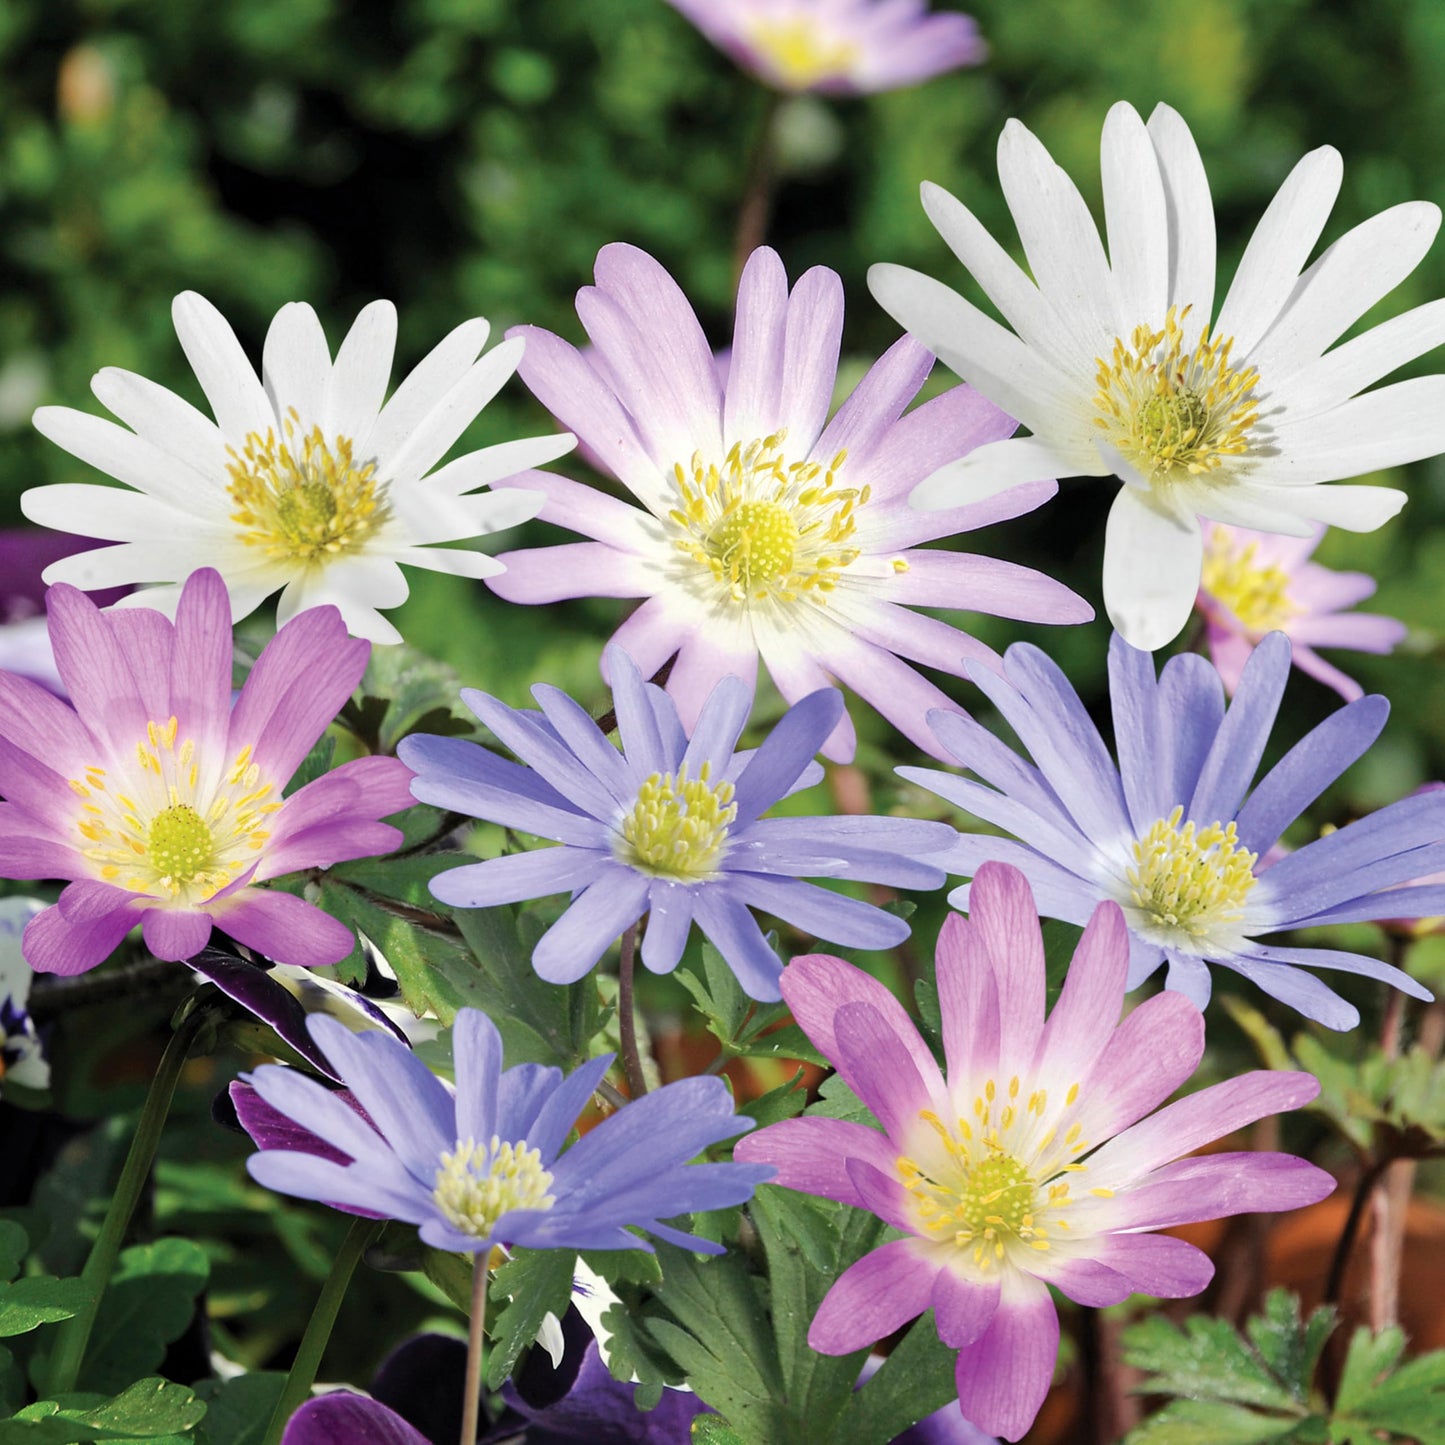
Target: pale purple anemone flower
[
  {"x": 162, "y": 804},
  {"x": 1174, "y": 834},
  {"x": 487, "y": 1165},
  {"x": 1030, "y": 1162},
  {"x": 766, "y": 530},
  {"x": 837, "y": 47},
  {"x": 668, "y": 826},
  {"x": 1254, "y": 583}
]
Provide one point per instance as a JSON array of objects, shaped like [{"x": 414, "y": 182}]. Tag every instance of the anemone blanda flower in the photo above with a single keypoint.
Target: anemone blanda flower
[
  {"x": 1169, "y": 834},
  {"x": 22, "y": 1056},
  {"x": 1030, "y": 1162},
  {"x": 838, "y": 47},
  {"x": 304, "y": 481},
  {"x": 1254, "y": 583},
  {"x": 162, "y": 804},
  {"x": 487, "y": 1165},
  {"x": 668, "y": 826},
  {"x": 765, "y": 529},
  {"x": 1121, "y": 366}
]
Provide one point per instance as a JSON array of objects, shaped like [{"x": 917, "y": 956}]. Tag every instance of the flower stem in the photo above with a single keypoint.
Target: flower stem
[
  {"x": 74, "y": 1334},
  {"x": 759, "y": 183},
  {"x": 476, "y": 1330},
  {"x": 307, "y": 1359},
  {"x": 627, "y": 1016}
]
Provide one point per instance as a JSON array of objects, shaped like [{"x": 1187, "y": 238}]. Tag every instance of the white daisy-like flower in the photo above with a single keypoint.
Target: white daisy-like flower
[
  {"x": 1120, "y": 366},
  {"x": 308, "y": 479}
]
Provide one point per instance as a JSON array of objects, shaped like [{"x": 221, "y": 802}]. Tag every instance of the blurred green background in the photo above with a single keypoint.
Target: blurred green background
[{"x": 469, "y": 157}]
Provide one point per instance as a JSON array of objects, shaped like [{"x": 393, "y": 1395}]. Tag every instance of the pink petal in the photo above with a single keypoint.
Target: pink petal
[
  {"x": 874, "y": 1297},
  {"x": 1001, "y": 908},
  {"x": 811, "y": 1154},
  {"x": 171, "y": 933},
  {"x": 968, "y": 1001},
  {"x": 879, "y": 1067},
  {"x": 51, "y": 945},
  {"x": 939, "y": 578},
  {"x": 571, "y": 569},
  {"x": 964, "y": 1307},
  {"x": 810, "y": 355},
  {"x": 283, "y": 927},
  {"x": 755, "y": 376},
  {"x": 1003, "y": 1378},
  {"x": 200, "y": 681},
  {"x": 93, "y": 666}
]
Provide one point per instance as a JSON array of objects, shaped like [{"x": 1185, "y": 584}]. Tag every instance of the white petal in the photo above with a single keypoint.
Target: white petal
[
  {"x": 1356, "y": 509},
  {"x": 1362, "y": 361},
  {"x": 238, "y": 400},
  {"x": 982, "y": 352},
  {"x": 456, "y": 561},
  {"x": 1152, "y": 560},
  {"x": 434, "y": 434},
  {"x": 296, "y": 363},
  {"x": 1191, "y": 214},
  {"x": 131, "y": 459},
  {"x": 1003, "y": 282},
  {"x": 1364, "y": 265},
  {"x": 422, "y": 515},
  {"x": 357, "y": 385},
  {"x": 108, "y": 513},
  {"x": 163, "y": 419},
  {"x": 1060, "y": 240},
  {"x": 1243, "y": 504},
  {"x": 1384, "y": 428},
  {"x": 1279, "y": 247},
  {"x": 435, "y": 375},
  {"x": 497, "y": 463},
  {"x": 127, "y": 563},
  {"x": 354, "y": 585},
  {"x": 998, "y": 466},
  {"x": 1136, "y": 218}
]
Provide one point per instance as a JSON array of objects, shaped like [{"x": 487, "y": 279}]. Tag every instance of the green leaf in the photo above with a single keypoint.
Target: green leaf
[
  {"x": 149, "y": 1409},
  {"x": 14, "y": 1245},
  {"x": 837, "y": 1101},
  {"x": 39, "y": 1300},
  {"x": 536, "y": 1282},
  {"x": 149, "y": 1303},
  {"x": 314, "y": 764},
  {"x": 1282, "y": 1343},
  {"x": 238, "y": 1410},
  {"x": 624, "y": 1266},
  {"x": 714, "y": 1430},
  {"x": 719, "y": 996},
  {"x": 404, "y": 879},
  {"x": 788, "y": 1042},
  {"x": 1212, "y": 1422},
  {"x": 784, "y": 1102},
  {"x": 1410, "y": 1402},
  {"x": 1060, "y": 941},
  {"x": 917, "y": 1378},
  {"x": 451, "y": 1273}
]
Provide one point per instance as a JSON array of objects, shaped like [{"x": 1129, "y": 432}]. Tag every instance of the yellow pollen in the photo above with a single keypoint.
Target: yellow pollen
[
  {"x": 476, "y": 1184},
  {"x": 765, "y": 529},
  {"x": 1256, "y": 592},
  {"x": 166, "y": 830},
  {"x": 800, "y": 53},
  {"x": 303, "y": 497},
  {"x": 1171, "y": 410},
  {"x": 678, "y": 827},
  {"x": 1191, "y": 880}
]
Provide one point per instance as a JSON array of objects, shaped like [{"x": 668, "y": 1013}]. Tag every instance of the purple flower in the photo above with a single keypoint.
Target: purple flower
[
  {"x": 762, "y": 531},
  {"x": 344, "y": 1418},
  {"x": 162, "y": 803},
  {"x": 1256, "y": 582},
  {"x": 1031, "y": 1162},
  {"x": 1169, "y": 833},
  {"x": 839, "y": 47},
  {"x": 668, "y": 827},
  {"x": 487, "y": 1165}
]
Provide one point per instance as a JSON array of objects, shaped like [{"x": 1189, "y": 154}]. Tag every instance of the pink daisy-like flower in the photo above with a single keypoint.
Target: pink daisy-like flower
[
  {"x": 1031, "y": 1162},
  {"x": 838, "y": 47},
  {"x": 163, "y": 804},
  {"x": 765, "y": 529},
  {"x": 1255, "y": 583}
]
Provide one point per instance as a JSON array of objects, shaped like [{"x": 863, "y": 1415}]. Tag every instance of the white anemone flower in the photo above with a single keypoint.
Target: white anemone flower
[
  {"x": 1120, "y": 365},
  {"x": 308, "y": 479}
]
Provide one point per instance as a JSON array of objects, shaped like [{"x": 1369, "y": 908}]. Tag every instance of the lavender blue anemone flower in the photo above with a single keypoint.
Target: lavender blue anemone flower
[
  {"x": 668, "y": 826},
  {"x": 487, "y": 1165},
  {"x": 837, "y": 47},
  {"x": 163, "y": 804},
  {"x": 1029, "y": 1161},
  {"x": 763, "y": 529},
  {"x": 1174, "y": 833}
]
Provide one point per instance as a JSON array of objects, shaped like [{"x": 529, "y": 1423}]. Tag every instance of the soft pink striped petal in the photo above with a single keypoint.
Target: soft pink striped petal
[
  {"x": 937, "y": 578},
  {"x": 283, "y": 927},
  {"x": 1087, "y": 1012},
  {"x": 171, "y": 933},
  {"x": 755, "y": 376},
  {"x": 572, "y": 569},
  {"x": 872, "y": 1298},
  {"x": 1003, "y": 1378},
  {"x": 1001, "y": 909},
  {"x": 963, "y": 1307},
  {"x": 810, "y": 355},
  {"x": 968, "y": 1002},
  {"x": 51, "y": 945},
  {"x": 811, "y": 1154}
]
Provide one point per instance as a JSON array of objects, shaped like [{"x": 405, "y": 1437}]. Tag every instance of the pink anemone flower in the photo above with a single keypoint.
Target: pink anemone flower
[
  {"x": 1031, "y": 1162},
  {"x": 162, "y": 804}
]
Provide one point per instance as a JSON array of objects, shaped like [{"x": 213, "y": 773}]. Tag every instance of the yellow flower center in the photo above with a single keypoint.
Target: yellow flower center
[
  {"x": 1171, "y": 411},
  {"x": 800, "y": 53},
  {"x": 164, "y": 829},
  {"x": 476, "y": 1184},
  {"x": 1257, "y": 593},
  {"x": 1189, "y": 880},
  {"x": 678, "y": 827},
  {"x": 768, "y": 530},
  {"x": 995, "y": 1183},
  {"x": 303, "y": 497}
]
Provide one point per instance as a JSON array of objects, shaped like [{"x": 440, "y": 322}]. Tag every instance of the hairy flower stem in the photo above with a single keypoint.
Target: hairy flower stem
[
  {"x": 307, "y": 1360},
  {"x": 627, "y": 1016},
  {"x": 476, "y": 1331},
  {"x": 73, "y": 1336},
  {"x": 760, "y": 182}
]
